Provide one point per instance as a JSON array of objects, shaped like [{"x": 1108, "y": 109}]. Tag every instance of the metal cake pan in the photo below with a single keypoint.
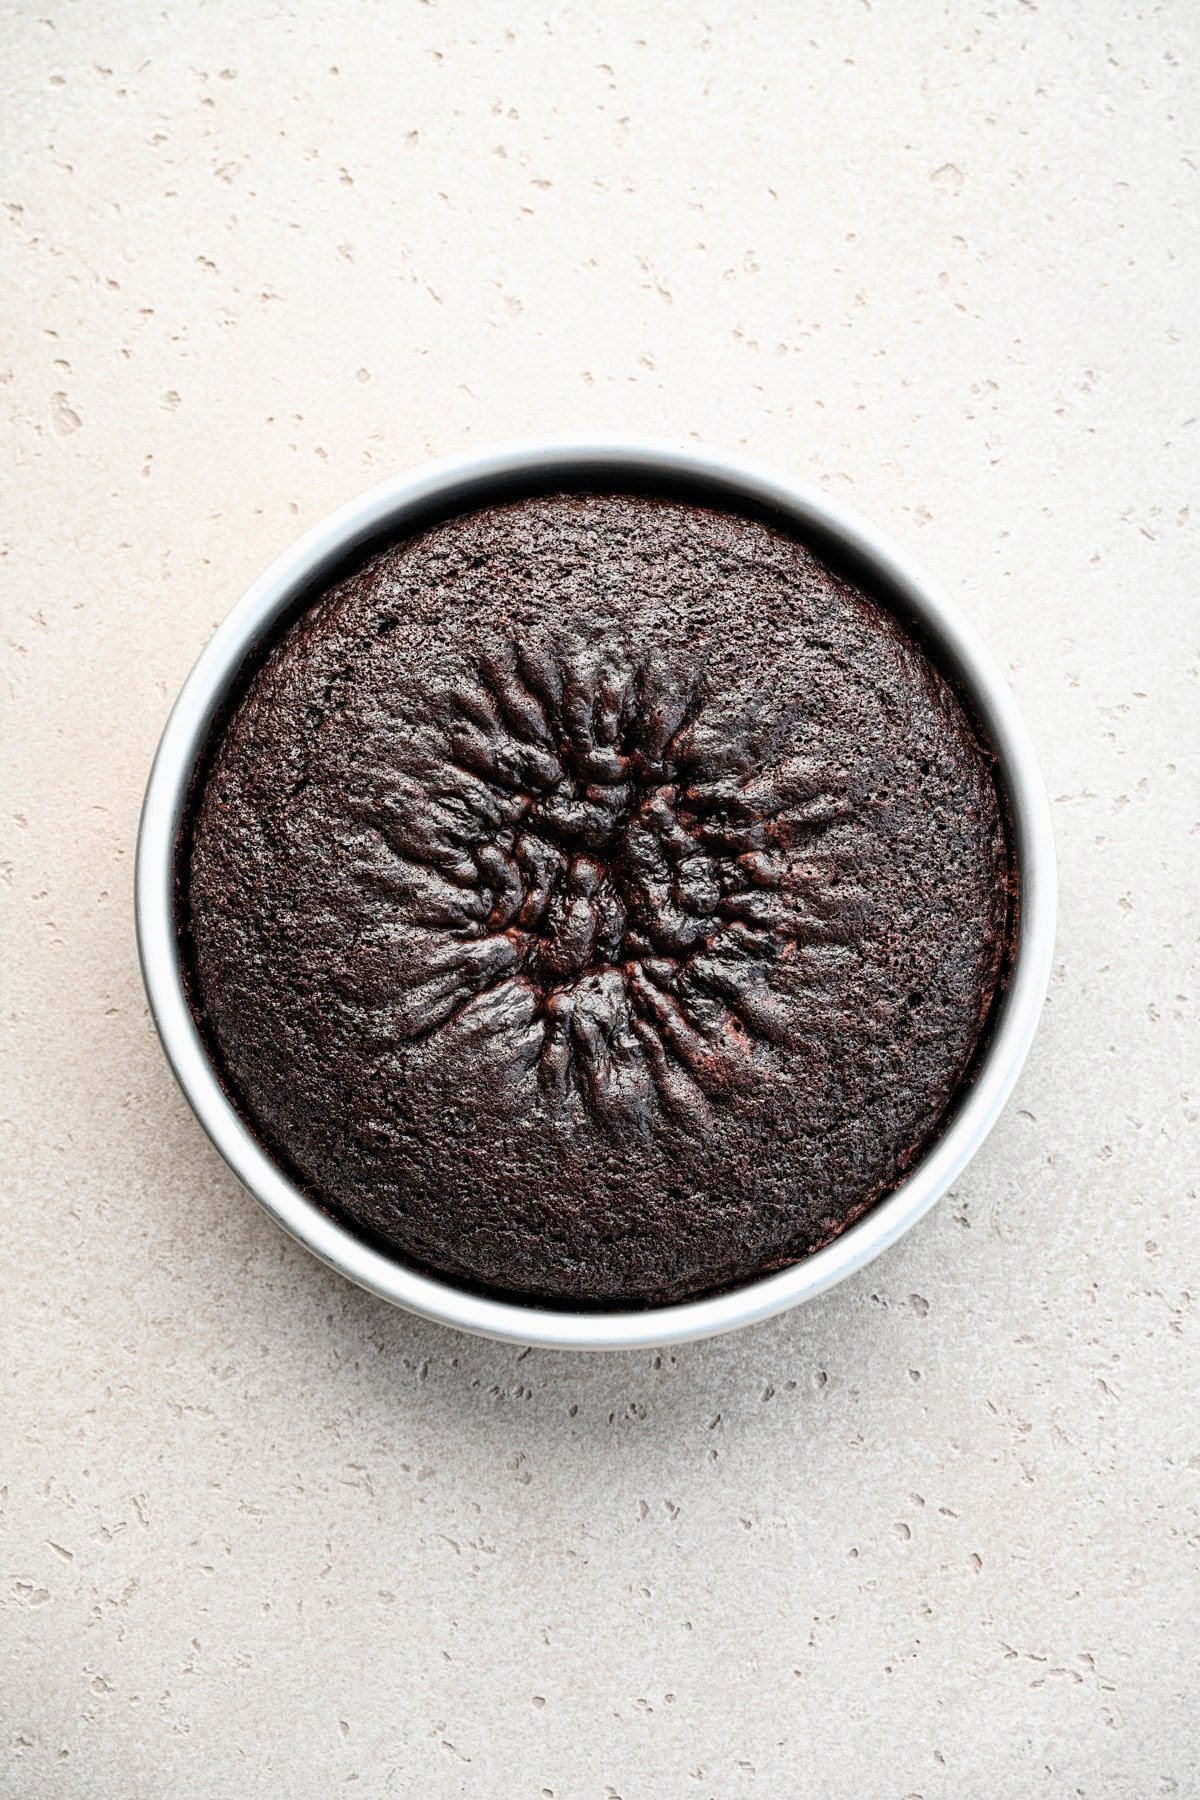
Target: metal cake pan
[{"x": 474, "y": 479}]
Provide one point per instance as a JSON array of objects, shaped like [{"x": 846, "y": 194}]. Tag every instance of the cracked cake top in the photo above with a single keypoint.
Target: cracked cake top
[{"x": 597, "y": 898}]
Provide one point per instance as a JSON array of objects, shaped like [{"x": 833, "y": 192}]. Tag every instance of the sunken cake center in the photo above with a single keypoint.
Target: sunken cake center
[{"x": 615, "y": 875}]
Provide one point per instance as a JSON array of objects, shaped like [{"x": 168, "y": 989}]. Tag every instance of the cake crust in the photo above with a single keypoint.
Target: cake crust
[{"x": 596, "y": 898}]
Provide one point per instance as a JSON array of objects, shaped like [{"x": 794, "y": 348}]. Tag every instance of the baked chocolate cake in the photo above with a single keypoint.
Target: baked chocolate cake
[{"x": 597, "y": 899}]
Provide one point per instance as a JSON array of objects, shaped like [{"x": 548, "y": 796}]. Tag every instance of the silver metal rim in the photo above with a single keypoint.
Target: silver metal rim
[{"x": 467, "y": 481}]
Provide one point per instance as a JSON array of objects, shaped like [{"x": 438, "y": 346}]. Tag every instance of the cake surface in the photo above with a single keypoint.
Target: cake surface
[{"x": 596, "y": 898}]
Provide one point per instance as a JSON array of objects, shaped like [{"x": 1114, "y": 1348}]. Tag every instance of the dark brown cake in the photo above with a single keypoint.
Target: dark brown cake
[{"x": 597, "y": 898}]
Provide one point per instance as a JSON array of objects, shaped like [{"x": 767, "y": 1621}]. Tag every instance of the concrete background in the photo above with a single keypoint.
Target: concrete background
[{"x": 939, "y": 1533}]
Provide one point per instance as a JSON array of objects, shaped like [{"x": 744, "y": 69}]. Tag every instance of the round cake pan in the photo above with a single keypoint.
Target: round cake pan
[{"x": 462, "y": 483}]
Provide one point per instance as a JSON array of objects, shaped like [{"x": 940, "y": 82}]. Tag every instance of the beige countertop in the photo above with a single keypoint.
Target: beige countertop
[{"x": 938, "y": 1534}]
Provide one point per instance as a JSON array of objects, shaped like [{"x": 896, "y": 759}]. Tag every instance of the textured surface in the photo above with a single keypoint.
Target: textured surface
[
  {"x": 598, "y": 898},
  {"x": 937, "y": 1533}
]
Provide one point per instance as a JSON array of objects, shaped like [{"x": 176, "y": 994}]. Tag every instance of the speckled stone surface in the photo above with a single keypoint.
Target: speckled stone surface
[{"x": 938, "y": 1533}]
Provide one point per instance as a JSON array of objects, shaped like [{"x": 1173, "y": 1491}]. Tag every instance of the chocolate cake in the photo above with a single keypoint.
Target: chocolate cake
[{"x": 597, "y": 899}]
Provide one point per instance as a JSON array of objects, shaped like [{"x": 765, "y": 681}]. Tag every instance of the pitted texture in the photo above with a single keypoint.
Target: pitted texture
[
  {"x": 597, "y": 898},
  {"x": 608, "y": 876}
]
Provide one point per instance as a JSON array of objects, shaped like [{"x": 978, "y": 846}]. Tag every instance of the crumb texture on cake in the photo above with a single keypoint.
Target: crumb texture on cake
[
  {"x": 602, "y": 877},
  {"x": 597, "y": 898}
]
